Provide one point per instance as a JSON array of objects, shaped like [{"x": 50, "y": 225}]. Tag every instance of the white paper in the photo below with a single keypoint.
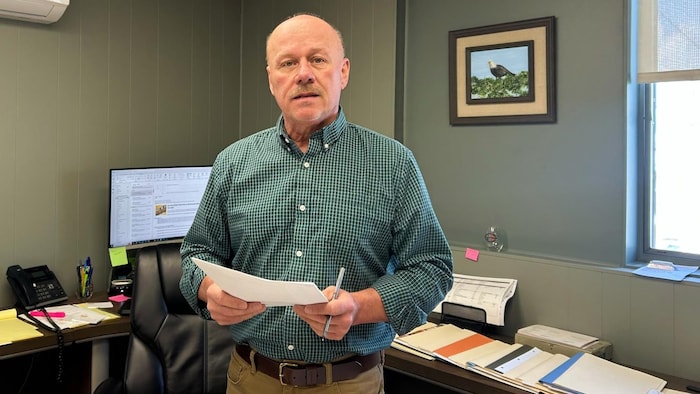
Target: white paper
[
  {"x": 558, "y": 335},
  {"x": 75, "y": 317},
  {"x": 100, "y": 305},
  {"x": 489, "y": 294},
  {"x": 593, "y": 374},
  {"x": 677, "y": 273},
  {"x": 254, "y": 289}
]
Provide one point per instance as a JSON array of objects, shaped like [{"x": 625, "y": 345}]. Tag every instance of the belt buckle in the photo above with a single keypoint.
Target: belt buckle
[{"x": 281, "y": 372}]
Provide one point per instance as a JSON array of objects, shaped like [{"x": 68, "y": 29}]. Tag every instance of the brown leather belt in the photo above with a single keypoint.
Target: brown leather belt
[{"x": 291, "y": 373}]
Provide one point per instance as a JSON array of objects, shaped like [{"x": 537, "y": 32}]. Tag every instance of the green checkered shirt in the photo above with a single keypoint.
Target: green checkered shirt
[{"x": 356, "y": 199}]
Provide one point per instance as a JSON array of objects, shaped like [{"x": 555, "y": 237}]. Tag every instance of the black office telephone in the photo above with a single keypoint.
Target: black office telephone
[{"x": 35, "y": 287}]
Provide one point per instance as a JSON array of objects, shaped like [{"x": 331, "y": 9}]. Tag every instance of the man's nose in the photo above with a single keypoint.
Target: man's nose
[{"x": 305, "y": 74}]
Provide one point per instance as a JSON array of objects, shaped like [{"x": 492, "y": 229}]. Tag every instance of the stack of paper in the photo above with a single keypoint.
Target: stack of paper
[
  {"x": 396, "y": 345},
  {"x": 524, "y": 366},
  {"x": 430, "y": 339},
  {"x": 469, "y": 348},
  {"x": 586, "y": 373},
  {"x": 447, "y": 342},
  {"x": 557, "y": 335},
  {"x": 75, "y": 316},
  {"x": 498, "y": 365},
  {"x": 269, "y": 292}
]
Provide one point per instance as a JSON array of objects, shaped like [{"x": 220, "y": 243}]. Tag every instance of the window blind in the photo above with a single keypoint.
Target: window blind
[{"x": 668, "y": 40}]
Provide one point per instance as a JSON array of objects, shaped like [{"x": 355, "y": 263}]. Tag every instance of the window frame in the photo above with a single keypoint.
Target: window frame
[{"x": 646, "y": 126}]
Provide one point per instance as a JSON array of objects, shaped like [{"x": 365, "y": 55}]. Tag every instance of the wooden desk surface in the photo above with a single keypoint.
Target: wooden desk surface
[
  {"x": 104, "y": 329},
  {"x": 445, "y": 374},
  {"x": 438, "y": 372}
]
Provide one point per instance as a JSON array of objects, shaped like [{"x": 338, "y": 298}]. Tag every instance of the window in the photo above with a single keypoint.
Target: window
[
  {"x": 669, "y": 70},
  {"x": 672, "y": 173}
]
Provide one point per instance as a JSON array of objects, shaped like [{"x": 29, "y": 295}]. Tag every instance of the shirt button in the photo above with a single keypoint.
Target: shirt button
[
  {"x": 290, "y": 347},
  {"x": 307, "y": 164},
  {"x": 299, "y": 253},
  {"x": 302, "y": 208},
  {"x": 286, "y": 140},
  {"x": 326, "y": 146}
]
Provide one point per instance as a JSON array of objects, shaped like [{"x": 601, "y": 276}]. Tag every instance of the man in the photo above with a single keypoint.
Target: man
[{"x": 297, "y": 202}]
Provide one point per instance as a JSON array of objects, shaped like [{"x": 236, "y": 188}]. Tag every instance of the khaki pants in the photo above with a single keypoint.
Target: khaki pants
[{"x": 242, "y": 380}]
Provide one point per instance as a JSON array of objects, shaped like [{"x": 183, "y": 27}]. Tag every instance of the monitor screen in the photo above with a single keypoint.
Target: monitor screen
[{"x": 153, "y": 205}]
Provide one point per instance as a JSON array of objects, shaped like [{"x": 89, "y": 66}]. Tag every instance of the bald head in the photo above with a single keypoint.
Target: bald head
[{"x": 304, "y": 24}]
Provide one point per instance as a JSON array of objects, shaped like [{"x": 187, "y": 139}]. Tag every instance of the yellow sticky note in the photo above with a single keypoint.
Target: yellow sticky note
[{"x": 117, "y": 256}]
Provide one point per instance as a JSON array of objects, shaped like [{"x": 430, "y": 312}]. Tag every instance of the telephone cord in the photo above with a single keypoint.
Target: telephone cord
[{"x": 59, "y": 343}]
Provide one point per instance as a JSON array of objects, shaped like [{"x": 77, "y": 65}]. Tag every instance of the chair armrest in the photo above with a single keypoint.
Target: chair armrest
[{"x": 110, "y": 386}]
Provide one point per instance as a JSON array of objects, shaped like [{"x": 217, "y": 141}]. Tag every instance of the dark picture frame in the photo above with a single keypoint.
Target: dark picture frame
[{"x": 503, "y": 74}]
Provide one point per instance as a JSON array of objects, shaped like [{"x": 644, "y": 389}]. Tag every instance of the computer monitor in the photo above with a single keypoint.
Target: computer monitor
[{"x": 153, "y": 205}]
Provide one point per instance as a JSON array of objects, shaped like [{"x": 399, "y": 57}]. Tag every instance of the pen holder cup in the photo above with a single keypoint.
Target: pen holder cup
[{"x": 84, "y": 294}]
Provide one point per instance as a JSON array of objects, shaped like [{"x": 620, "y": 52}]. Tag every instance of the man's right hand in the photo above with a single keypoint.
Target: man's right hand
[{"x": 224, "y": 308}]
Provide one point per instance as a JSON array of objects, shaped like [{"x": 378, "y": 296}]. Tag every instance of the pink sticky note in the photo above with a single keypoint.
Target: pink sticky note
[
  {"x": 119, "y": 298},
  {"x": 472, "y": 254}
]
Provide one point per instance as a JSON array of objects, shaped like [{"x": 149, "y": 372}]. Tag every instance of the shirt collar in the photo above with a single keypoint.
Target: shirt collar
[{"x": 330, "y": 134}]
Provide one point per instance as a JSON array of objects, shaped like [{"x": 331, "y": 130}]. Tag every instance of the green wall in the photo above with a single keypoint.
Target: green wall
[
  {"x": 111, "y": 84},
  {"x": 556, "y": 189},
  {"x": 172, "y": 82},
  {"x": 559, "y": 190}
]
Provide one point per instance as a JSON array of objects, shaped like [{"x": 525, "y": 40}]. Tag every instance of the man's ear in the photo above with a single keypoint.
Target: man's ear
[
  {"x": 345, "y": 73},
  {"x": 269, "y": 83}
]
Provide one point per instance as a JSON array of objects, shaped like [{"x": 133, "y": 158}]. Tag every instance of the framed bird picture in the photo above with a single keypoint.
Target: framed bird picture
[{"x": 503, "y": 73}]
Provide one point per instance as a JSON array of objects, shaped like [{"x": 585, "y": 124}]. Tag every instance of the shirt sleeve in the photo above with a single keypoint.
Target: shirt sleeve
[
  {"x": 422, "y": 265},
  {"x": 207, "y": 239}
]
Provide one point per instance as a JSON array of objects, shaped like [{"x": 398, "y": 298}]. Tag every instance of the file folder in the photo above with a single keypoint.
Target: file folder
[{"x": 586, "y": 373}]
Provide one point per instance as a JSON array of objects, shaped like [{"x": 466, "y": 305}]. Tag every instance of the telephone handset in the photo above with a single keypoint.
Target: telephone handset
[{"x": 35, "y": 287}]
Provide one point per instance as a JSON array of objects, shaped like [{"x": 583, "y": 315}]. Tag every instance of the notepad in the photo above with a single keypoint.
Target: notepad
[{"x": 13, "y": 329}]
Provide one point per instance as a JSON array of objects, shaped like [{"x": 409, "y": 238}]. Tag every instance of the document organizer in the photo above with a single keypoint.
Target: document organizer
[{"x": 464, "y": 316}]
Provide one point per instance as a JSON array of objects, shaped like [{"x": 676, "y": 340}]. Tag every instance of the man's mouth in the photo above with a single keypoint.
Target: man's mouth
[{"x": 305, "y": 95}]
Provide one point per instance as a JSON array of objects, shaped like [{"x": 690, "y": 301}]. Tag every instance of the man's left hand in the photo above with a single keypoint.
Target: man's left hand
[{"x": 343, "y": 311}]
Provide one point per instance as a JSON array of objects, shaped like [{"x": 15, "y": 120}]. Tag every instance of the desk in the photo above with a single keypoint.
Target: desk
[
  {"x": 452, "y": 379},
  {"x": 404, "y": 371},
  {"x": 96, "y": 336}
]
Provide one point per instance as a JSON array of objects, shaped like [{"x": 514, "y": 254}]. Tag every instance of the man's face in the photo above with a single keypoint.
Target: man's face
[{"x": 307, "y": 71}]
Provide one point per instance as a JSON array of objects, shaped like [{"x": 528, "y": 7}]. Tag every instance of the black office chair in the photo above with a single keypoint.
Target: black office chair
[{"x": 171, "y": 349}]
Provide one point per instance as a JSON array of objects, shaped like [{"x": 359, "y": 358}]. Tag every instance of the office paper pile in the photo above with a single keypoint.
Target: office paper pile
[
  {"x": 74, "y": 315},
  {"x": 523, "y": 366}
]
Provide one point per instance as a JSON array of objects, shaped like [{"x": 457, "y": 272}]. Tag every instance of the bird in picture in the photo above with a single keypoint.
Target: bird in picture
[{"x": 498, "y": 70}]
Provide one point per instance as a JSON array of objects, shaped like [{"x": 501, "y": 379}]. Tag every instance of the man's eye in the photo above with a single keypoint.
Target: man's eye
[
  {"x": 288, "y": 63},
  {"x": 318, "y": 60}
]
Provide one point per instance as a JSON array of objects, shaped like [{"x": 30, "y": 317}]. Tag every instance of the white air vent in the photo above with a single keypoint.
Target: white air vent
[{"x": 39, "y": 11}]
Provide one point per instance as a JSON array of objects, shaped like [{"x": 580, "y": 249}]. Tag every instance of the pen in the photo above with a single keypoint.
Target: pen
[
  {"x": 49, "y": 314},
  {"x": 335, "y": 295}
]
